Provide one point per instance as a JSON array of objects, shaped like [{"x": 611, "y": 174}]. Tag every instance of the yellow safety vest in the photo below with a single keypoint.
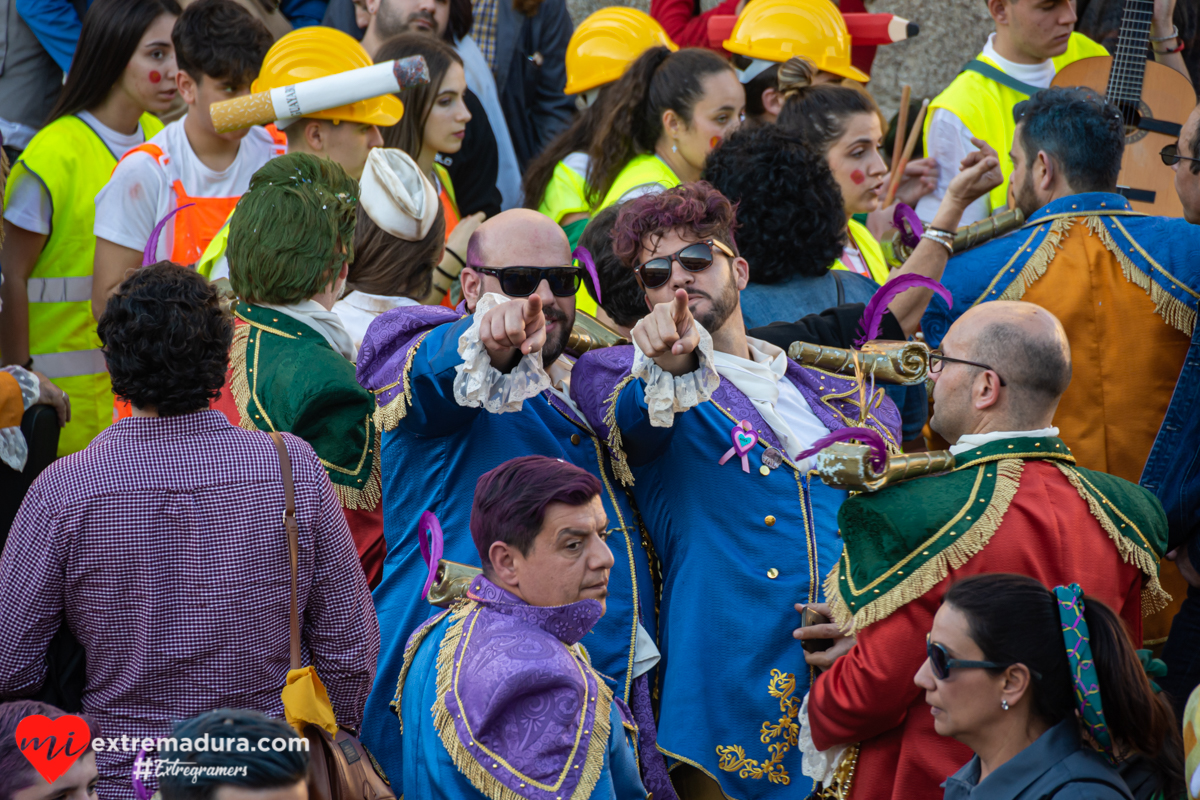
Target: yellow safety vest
[
  {"x": 74, "y": 164},
  {"x": 215, "y": 250},
  {"x": 871, "y": 251},
  {"x": 986, "y": 107},
  {"x": 566, "y": 193},
  {"x": 642, "y": 170}
]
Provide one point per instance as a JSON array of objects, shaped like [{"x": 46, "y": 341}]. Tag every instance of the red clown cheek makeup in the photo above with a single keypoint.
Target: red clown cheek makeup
[
  {"x": 714, "y": 141},
  {"x": 155, "y": 77},
  {"x": 857, "y": 176}
]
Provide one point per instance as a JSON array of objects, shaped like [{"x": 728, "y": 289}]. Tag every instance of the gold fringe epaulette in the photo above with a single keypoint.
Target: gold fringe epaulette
[
  {"x": 934, "y": 571},
  {"x": 464, "y": 754},
  {"x": 1154, "y": 597},
  {"x": 1037, "y": 264},
  {"x": 1173, "y": 310},
  {"x": 239, "y": 383},
  {"x": 388, "y": 416},
  {"x": 620, "y": 464}
]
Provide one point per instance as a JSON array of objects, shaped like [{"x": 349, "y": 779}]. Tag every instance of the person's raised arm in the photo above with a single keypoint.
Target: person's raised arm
[
  {"x": 513, "y": 330},
  {"x": 1162, "y": 27},
  {"x": 979, "y": 175},
  {"x": 21, "y": 251},
  {"x": 668, "y": 335},
  {"x": 112, "y": 263}
]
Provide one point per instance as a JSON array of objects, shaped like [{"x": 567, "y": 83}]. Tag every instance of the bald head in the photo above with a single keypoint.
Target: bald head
[
  {"x": 519, "y": 237},
  {"x": 1023, "y": 344}
]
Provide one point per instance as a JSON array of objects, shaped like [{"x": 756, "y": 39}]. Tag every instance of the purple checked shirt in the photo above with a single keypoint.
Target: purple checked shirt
[{"x": 162, "y": 544}]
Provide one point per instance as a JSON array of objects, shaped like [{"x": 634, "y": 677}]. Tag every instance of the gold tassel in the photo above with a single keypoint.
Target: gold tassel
[
  {"x": 239, "y": 383},
  {"x": 1154, "y": 597},
  {"x": 1173, "y": 310},
  {"x": 619, "y": 463},
  {"x": 388, "y": 417},
  {"x": 463, "y": 757},
  {"x": 1037, "y": 264},
  {"x": 935, "y": 570}
]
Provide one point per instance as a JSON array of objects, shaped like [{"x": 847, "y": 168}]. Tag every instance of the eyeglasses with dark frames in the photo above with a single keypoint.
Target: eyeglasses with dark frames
[
  {"x": 941, "y": 663},
  {"x": 523, "y": 281},
  {"x": 937, "y": 359},
  {"x": 695, "y": 257},
  {"x": 1170, "y": 155}
]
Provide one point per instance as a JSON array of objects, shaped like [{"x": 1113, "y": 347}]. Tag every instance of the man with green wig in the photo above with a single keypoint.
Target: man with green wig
[{"x": 291, "y": 367}]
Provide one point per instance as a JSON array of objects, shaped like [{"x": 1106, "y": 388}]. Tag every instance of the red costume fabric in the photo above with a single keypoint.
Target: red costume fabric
[{"x": 868, "y": 696}]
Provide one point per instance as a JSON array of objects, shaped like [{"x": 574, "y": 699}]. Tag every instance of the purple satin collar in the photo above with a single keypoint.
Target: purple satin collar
[{"x": 567, "y": 623}]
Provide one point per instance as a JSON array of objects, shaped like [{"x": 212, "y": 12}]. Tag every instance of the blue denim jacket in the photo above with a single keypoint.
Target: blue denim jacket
[{"x": 1057, "y": 765}]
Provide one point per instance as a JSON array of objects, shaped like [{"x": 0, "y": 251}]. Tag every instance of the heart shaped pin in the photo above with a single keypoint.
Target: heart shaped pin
[
  {"x": 744, "y": 440},
  {"x": 52, "y": 745}
]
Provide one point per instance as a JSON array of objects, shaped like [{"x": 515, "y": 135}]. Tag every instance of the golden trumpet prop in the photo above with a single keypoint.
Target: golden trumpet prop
[
  {"x": 848, "y": 466},
  {"x": 590, "y": 333},
  {"x": 903, "y": 363},
  {"x": 451, "y": 582}
]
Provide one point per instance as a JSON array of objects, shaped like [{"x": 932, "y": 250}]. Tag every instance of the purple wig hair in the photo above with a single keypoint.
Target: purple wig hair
[
  {"x": 696, "y": 209},
  {"x": 16, "y": 771},
  {"x": 511, "y": 500}
]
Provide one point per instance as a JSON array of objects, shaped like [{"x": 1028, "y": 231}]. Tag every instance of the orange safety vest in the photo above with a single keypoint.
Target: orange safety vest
[{"x": 450, "y": 209}]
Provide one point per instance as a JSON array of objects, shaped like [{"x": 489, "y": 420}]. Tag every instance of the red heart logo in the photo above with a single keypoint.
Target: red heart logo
[{"x": 52, "y": 745}]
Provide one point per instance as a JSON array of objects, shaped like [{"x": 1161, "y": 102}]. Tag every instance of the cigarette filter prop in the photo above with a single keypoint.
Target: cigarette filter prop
[{"x": 319, "y": 94}]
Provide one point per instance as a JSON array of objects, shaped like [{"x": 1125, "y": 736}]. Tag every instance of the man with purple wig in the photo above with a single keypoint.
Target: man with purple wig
[
  {"x": 459, "y": 391},
  {"x": 497, "y": 696},
  {"x": 708, "y": 428}
]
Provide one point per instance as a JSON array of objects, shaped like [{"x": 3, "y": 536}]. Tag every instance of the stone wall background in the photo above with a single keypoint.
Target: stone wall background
[{"x": 952, "y": 33}]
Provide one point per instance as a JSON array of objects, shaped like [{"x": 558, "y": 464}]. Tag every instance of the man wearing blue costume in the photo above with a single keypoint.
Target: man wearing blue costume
[
  {"x": 1125, "y": 286},
  {"x": 459, "y": 392},
  {"x": 708, "y": 427},
  {"x": 496, "y": 697}
]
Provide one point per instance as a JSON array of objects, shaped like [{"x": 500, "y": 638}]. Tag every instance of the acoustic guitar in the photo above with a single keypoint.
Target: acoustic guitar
[{"x": 1155, "y": 101}]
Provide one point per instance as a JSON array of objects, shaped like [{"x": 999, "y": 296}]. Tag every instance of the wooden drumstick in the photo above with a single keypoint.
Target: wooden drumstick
[{"x": 898, "y": 169}]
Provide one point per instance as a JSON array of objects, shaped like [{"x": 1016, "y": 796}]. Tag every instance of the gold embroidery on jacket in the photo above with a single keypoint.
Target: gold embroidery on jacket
[{"x": 780, "y": 737}]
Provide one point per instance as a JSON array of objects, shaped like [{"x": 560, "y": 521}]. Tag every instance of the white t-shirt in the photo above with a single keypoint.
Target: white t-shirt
[
  {"x": 949, "y": 140},
  {"x": 139, "y": 194},
  {"x": 29, "y": 205}
]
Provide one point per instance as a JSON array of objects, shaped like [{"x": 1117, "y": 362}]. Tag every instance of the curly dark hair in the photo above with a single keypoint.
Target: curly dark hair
[
  {"x": 696, "y": 208},
  {"x": 624, "y": 297},
  {"x": 221, "y": 40},
  {"x": 166, "y": 340},
  {"x": 790, "y": 215}
]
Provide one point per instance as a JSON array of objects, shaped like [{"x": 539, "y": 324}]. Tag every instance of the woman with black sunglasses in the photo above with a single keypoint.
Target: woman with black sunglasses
[{"x": 1047, "y": 690}]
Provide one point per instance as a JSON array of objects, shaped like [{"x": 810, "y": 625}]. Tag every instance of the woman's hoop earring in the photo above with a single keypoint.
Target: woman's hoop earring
[{"x": 1004, "y": 704}]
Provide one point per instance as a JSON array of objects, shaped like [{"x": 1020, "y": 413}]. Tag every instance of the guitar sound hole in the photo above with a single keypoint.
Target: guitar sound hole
[{"x": 1133, "y": 116}]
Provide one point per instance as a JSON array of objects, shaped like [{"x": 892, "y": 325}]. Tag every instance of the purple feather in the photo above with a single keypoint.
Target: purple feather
[
  {"x": 872, "y": 317},
  {"x": 865, "y": 435},
  {"x": 148, "y": 256},
  {"x": 429, "y": 535},
  {"x": 909, "y": 224},
  {"x": 584, "y": 257}
]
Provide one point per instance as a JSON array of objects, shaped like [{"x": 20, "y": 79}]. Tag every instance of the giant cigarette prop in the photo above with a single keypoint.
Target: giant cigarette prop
[{"x": 319, "y": 94}]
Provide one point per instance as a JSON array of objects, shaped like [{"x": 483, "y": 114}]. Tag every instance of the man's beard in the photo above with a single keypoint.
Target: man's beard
[
  {"x": 720, "y": 308},
  {"x": 556, "y": 340},
  {"x": 1025, "y": 197},
  {"x": 390, "y": 22}
]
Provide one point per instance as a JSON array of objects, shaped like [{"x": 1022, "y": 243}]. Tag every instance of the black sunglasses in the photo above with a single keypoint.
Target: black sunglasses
[
  {"x": 941, "y": 663},
  {"x": 937, "y": 359},
  {"x": 524, "y": 281},
  {"x": 1170, "y": 155},
  {"x": 694, "y": 258}
]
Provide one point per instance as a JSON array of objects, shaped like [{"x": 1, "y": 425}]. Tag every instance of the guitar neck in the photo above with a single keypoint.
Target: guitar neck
[{"x": 1129, "y": 60}]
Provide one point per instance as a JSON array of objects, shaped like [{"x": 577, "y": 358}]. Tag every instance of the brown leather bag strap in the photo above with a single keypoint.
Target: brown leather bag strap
[{"x": 293, "y": 534}]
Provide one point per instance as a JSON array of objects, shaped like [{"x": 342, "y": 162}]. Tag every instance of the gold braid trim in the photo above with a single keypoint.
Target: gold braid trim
[
  {"x": 389, "y": 416},
  {"x": 239, "y": 383},
  {"x": 1154, "y": 597},
  {"x": 935, "y": 570},
  {"x": 465, "y": 760},
  {"x": 368, "y": 497},
  {"x": 1037, "y": 264},
  {"x": 1173, "y": 310},
  {"x": 620, "y": 464},
  {"x": 410, "y": 653}
]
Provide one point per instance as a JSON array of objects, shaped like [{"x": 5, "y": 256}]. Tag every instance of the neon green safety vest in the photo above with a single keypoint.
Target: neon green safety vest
[
  {"x": 566, "y": 193},
  {"x": 215, "y": 250},
  {"x": 986, "y": 107},
  {"x": 74, "y": 164},
  {"x": 642, "y": 170},
  {"x": 871, "y": 251}
]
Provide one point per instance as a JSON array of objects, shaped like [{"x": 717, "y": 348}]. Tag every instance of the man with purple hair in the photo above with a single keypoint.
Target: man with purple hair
[
  {"x": 497, "y": 696},
  {"x": 743, "y": 531},
  {"x": 458, "y": 393}
]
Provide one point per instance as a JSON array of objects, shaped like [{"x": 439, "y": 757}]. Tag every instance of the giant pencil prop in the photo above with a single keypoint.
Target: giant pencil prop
[{"x": 319, "y": 94}]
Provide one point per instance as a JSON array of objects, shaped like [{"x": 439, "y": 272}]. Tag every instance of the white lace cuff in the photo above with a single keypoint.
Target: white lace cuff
[
  {"x": 667, "y": 394},
  {"x": 31, "y": 387},
  {"x": 816, "y": 764},
  {"x": 477, "y": 383},
  {"x": 14, "y": 450}
]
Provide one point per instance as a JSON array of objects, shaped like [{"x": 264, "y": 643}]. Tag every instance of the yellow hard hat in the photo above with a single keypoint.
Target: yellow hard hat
[
  {"x": 776, "y": 30},
  {"x": 317, "y": 51},
  {"x": 606, "y": 43}
]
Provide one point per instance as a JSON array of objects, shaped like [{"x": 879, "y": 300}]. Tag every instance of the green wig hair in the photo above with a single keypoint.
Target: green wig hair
[{"x": 292, "y": 230}]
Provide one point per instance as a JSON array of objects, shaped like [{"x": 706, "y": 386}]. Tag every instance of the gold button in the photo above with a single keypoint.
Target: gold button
[
  {"x": 770, "y": 520},
  {"x": 772, "y": 573},
  {"x": 575, "y": 438},
  {"x": 764, "y": 470}
]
